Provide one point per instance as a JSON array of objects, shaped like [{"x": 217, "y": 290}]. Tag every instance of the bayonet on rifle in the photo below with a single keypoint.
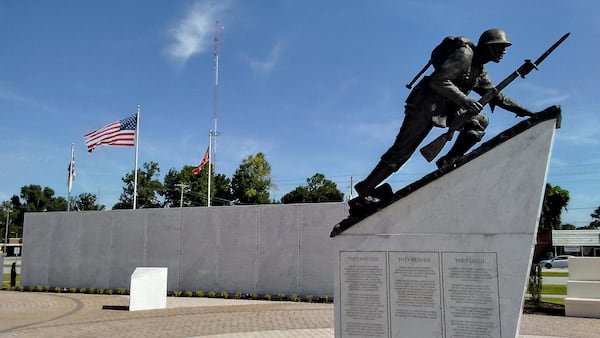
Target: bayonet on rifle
[{"x": 431, "y": 150}]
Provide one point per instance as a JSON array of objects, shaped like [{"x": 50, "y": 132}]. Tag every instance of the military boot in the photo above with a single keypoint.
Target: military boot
[
  {"x": 463, "y": 143},
  {"x": 378, "y": 175}
]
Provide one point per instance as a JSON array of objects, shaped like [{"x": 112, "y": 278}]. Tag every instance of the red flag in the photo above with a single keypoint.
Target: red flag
[{"x": 202, "y": 163}]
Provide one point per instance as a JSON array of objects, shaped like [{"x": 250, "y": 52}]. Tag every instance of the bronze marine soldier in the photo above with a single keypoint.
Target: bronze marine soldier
[{"x": 436, "y": 99}]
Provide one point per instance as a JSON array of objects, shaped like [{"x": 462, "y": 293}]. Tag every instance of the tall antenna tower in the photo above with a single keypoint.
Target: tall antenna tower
[{"x": 215, "y": 97}]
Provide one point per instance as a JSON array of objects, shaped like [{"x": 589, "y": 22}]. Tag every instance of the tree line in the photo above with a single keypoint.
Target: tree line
[{"x": 250, "y": 184}]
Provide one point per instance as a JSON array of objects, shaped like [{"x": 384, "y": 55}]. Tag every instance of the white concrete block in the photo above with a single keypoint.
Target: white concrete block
[
  {"x": 583, "y": 289},
  {"x": 584, "y": 268},
  {"x": 148, "y": 289},
  {"x": 582, "y": 307}
]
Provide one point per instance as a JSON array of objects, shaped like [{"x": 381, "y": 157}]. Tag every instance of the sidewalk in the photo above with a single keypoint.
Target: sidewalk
[{"x": 36, "y": 314}]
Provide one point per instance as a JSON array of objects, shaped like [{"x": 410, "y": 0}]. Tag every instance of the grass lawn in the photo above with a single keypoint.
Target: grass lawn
[
  {"x": 554, "y": 289},
  {"x": 548, "y": 289},
  {"x": 6, "y": 280},
  {"x": 559, "y": 301},
  {"x": 555, "y": 274},
  {"x": 6, "y": 276}
]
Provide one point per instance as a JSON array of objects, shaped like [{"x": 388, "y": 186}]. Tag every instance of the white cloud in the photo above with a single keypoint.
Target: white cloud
[
  {"x": 194, "y": 32},
  {"x": 579, "y": 126},
  {"x": 267, "y": 65},
  {"x": 238, "y": 147},
  {"x": 11, "y": 96},
  {"x": 542, "y": 96}
]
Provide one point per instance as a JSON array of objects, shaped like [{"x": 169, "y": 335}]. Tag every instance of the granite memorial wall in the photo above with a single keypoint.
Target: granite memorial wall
[{"x": 253, "y": 249}]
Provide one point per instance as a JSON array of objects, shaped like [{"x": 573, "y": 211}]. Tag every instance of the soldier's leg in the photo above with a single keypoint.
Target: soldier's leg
[
  {"x": 473, "y": 131},
  {"x": 412, "y": 132}
]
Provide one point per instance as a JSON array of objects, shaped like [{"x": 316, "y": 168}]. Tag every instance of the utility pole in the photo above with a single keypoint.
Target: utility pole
[
  {"x": 182, "y": 186},
  {"x": 6, "y": 231},
  {"x": 210, "y": 163},
  {"x": 215, "y": 98}
]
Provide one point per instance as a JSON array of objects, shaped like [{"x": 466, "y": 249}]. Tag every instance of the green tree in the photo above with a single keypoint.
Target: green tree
[
  {"x": 222, "y": 190},
  {"x": 33, "y": 198},
  {"x": 595, "y": 224},
  {"x": 194, "y": 190},
  {"x": 555, "y": 200},
  {"x": 36, "y": 198},
  {"x": 596, "y": 218},
  {"x": 149, "y": 188},
  {"x": 86, "y": 201},
  {"x": 318, "y": 189},
  {"x": 17, "y": 214},
  {"x": 251, "y": 181},
  {"x": 7, "y": 212},
  {"x": 298, "y": 195},
  {"x": 57, "y": 204}
]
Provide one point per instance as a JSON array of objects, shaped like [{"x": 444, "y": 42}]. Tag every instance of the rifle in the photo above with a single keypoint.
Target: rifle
[
  {"x": 431, "y": 150},
  {"x": 423, "y": 70}
]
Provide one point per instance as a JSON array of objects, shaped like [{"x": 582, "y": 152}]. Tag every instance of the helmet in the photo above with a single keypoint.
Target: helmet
[{"x": 494, "y": 36}]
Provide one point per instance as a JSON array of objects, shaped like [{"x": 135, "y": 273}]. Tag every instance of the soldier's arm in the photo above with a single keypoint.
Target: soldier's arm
[{"x": 484, "y": 84}]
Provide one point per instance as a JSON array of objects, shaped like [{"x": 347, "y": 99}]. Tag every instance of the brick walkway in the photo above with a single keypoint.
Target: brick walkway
[{"x": 27, "y": 314}]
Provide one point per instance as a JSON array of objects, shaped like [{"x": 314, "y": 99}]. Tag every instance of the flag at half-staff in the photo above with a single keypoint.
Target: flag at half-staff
[
  {"x": 118, "y": 133},
  {"x": 205, "y": 160}
]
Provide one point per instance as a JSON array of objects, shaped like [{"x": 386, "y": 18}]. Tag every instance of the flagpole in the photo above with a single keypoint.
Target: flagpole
[
  {"x": 210, "y": 134},
  {"x": 135, "y": 171},
  {"x": 71, "y": 173}
]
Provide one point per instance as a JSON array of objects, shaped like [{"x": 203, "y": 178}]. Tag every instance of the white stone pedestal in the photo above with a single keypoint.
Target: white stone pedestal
[
  {"x": 148, "y": 289},
  {"x": 583, "y": 287}
]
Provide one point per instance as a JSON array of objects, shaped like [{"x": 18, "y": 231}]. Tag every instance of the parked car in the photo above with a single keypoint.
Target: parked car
[{"x": 556, "y": 262}]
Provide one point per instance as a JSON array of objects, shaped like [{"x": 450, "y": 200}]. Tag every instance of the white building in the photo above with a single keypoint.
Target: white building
[{"x": 576, "y": 242}]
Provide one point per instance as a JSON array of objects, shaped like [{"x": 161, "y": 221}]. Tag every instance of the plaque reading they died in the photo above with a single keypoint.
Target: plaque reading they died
[{"x": 470, "y": 286}]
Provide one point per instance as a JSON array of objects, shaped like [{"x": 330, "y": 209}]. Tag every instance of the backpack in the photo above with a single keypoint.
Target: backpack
[{"x": 440, "y": 53}]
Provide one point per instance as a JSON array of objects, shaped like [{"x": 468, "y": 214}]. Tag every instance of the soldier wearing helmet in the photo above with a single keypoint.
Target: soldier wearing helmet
[
  {"x": 437, "y": 97},
  {"x": 495, "y": 41}
]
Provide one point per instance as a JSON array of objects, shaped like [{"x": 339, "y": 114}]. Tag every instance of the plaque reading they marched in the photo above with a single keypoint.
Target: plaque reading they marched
[
  {"x": 364, "y": 310},
  {"x": 470, "y": 289}
]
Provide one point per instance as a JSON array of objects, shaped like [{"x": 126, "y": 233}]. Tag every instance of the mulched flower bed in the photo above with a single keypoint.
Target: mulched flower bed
[{"x": 543, "y": 308}]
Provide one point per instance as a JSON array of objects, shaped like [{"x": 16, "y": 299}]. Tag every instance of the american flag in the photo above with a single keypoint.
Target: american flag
[
  {"x": 202, "y": 163},
  {"x": 118, "y": 133}
]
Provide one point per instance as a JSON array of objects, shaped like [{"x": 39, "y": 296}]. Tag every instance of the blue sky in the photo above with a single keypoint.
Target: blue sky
[{"x": 318, "y": 86}]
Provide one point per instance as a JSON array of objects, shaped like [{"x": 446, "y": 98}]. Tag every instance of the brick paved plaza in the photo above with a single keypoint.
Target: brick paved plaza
[{"x": 37, "y": 314}]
